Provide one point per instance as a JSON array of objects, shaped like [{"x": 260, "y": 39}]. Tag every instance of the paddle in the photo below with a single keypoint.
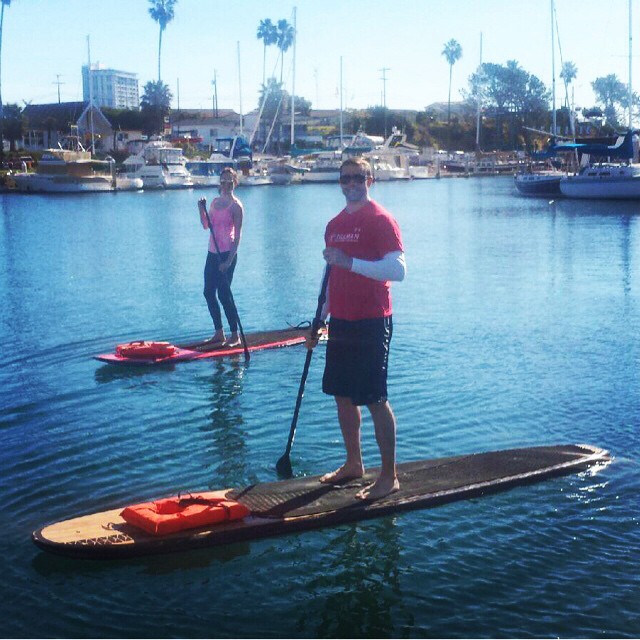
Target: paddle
[
  {"x": 283, "y": 466},
  {"x": 202, "y": 203}
]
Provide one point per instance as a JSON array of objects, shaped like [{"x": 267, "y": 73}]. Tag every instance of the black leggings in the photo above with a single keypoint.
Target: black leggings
[{"x": 217, "y": 285}]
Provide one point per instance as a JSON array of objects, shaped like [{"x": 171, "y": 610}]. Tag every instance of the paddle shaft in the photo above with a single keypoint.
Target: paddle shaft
[
  {"x": 305, "y": 372},
  {"x": 224, "y": 273}
]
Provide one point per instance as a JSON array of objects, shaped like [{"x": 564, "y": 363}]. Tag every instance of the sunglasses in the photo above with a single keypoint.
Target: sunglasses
[
  {"x": 226, "y": 181},
  {"x": 358, "y": 178}
]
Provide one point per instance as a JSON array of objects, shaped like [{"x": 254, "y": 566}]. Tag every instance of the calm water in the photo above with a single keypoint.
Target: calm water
[{"x": 517, "y": 325}]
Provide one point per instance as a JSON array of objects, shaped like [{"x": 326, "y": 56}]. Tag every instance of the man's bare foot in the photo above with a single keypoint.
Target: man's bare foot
[
  {"x": 379, "y": 489},
  {"x": 343, "y": 473}
]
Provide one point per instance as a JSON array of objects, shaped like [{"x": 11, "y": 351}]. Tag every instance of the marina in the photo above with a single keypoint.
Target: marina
[{"x": 516, "y": 326}]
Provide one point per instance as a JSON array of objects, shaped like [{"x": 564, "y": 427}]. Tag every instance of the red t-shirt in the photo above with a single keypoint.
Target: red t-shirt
[{"x": 369, "y": 234}]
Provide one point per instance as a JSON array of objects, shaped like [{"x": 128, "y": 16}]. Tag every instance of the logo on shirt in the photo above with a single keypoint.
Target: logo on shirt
[{"x": 354, "y": 236}]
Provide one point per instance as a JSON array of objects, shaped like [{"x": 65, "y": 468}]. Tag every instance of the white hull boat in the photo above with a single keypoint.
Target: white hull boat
[
  {"x": 159, "y": 166},
  {"x": 67, "y": 171},
  {"x": 606, "y": 181}
]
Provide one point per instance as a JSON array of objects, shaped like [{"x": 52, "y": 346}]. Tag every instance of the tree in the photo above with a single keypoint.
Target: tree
[
  {"x": 568, "y": 75},
  {"x": 375, "y": 119},
  {"x": 452, "y": 52},
  {"x": 510, "y": 93},
  {"x": 286, "y": 34},
  {"x": 274, "y": 100},
  {"x": 5, "y": 3},
  {"x": 268, "y": 33},
  {"x": 612, "y": 94},
  {"x": 155, "y": 105},
  {"x": 162, "y": 12},
  {"x": 12, "y": 125}
]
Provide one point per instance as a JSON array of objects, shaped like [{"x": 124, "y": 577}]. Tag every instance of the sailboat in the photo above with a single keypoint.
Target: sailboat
[
  {"x": 620, "y": 180},
  {"x": 544, "y": 183}
]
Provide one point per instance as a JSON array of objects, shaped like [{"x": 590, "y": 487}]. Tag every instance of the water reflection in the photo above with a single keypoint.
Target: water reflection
[
  {"x": 359, "y": 589},
  {"x": 225, "y": 425}
]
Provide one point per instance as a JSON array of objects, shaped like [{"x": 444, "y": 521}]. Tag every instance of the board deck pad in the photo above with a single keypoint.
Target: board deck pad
[
  {"x": 304, "y": 503},
  {"x": 204, "y": 349}
]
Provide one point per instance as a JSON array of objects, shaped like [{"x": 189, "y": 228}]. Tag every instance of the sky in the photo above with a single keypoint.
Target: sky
[{"x": 44, "y": 46}]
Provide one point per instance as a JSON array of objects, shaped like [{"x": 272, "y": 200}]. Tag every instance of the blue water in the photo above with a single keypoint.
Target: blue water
[{"x": 517, "y": 325}]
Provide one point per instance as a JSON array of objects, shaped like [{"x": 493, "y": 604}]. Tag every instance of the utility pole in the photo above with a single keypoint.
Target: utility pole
[
  {"x": 214, "y": 82},
  {"x": 384, "y": 96},
  {"x": 58, "y": 76}
]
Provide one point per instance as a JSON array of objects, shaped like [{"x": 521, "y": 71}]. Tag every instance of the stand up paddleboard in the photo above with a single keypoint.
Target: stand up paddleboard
[
  {"x": 304, "y": 503},
  {"x": 170, "y": 354}
]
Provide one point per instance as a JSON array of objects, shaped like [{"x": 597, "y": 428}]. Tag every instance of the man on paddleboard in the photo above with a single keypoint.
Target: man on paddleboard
[
  {"x": 365, "y": 252},
  {"x": 226, "y": 215}
]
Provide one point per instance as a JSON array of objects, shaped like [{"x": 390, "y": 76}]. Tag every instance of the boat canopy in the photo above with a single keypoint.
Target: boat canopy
[{"x": 622, "y": 149}]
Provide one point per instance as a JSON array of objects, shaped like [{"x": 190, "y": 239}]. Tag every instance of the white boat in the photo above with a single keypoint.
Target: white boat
[
  {"x": 160, "y": 166},
  {"x": 67, "y": 171},
  {"x": 419, "y": 172},
  {"x": 204, "y": 173},
  {"x": 124, "y": 183},
  {"x": 252, "y": 179},
  {"x": 389, "y": 167},
  {"x": 323, "y": 167},
  {"x": 391, "y": 160},
  {"x": 284, "y": 172},
  {"x": 610, "y": 181}
]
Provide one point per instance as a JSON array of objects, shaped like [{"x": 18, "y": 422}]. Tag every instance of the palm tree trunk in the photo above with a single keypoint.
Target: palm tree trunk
[
  {"x": 159, "y": 52},
  {"x": 264, "y": 63},
  {"x": 449, "y": 101},
  {"x": 449, "y": 110}
]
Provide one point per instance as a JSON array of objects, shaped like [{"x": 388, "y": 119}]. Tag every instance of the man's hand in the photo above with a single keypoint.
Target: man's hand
[
  {"x": 202, "y": 203},
  {"x": 338, "y": 258},
  {"x": 313, "y": 337}
]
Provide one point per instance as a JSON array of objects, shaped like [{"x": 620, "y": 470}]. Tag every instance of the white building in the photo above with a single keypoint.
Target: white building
[{"x": 114, "y": 89}]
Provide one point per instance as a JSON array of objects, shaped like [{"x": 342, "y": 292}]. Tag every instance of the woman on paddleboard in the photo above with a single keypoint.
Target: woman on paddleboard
[{"x": 225, "y": 217}]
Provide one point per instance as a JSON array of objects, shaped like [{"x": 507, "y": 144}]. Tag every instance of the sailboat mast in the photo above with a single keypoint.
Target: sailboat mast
[
  {"x": 553, "y": 69},
  {"x": 341, "y": 145},
  {"x": 630, "y": 61},
  {"x": 240, "y": 89},
  {"x": 293, "y": 81},
  {"x": 93, "y": 146},
  {"x": 479, "y": 100}
]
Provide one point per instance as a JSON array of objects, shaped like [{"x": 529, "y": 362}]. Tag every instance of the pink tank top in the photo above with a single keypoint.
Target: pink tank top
[{"x": 223, "y": 228}]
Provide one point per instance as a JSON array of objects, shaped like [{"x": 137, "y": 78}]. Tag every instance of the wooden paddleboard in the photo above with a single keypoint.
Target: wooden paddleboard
[
  {"x": 301, "y": 504},
  {"x": 204, "y": 349}
]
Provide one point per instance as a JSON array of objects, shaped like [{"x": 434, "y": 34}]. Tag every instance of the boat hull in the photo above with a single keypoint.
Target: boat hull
[
  {"x": 604, "y": 189},
  {"x": 538, "y": 185},
  {"x": 34, "y": 183}
]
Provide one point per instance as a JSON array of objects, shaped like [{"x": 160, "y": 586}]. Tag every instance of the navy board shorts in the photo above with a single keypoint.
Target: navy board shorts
[{"x": 358, "y": 359}]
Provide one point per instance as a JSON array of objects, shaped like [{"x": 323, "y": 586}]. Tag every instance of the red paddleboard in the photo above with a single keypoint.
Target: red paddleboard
[{"x": 204, "y": 349}]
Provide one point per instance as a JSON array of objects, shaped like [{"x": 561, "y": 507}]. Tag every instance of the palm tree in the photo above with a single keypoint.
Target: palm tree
[
  {"x": 162, "y": 12},
  {"x": 155, "y": 105},
  {"x": 4, "y": 3},
  {"x": 286, "y": 33},
  {"x": 452, "y": 52},
  {"x": 268, "y": 33},
  {"x": 568, "y": 75}
]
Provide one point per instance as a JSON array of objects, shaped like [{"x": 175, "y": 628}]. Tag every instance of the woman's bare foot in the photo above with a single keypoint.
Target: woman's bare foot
[
  {"x": 233, "y": 341},
  {"x": 379, "y": 489},
  {"x": 343, "y": 473},
  {"x": 215, "y": 341}
]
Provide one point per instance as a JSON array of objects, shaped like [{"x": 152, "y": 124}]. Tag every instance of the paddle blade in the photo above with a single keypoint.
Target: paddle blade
[{"x": 283, "y": 467}]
